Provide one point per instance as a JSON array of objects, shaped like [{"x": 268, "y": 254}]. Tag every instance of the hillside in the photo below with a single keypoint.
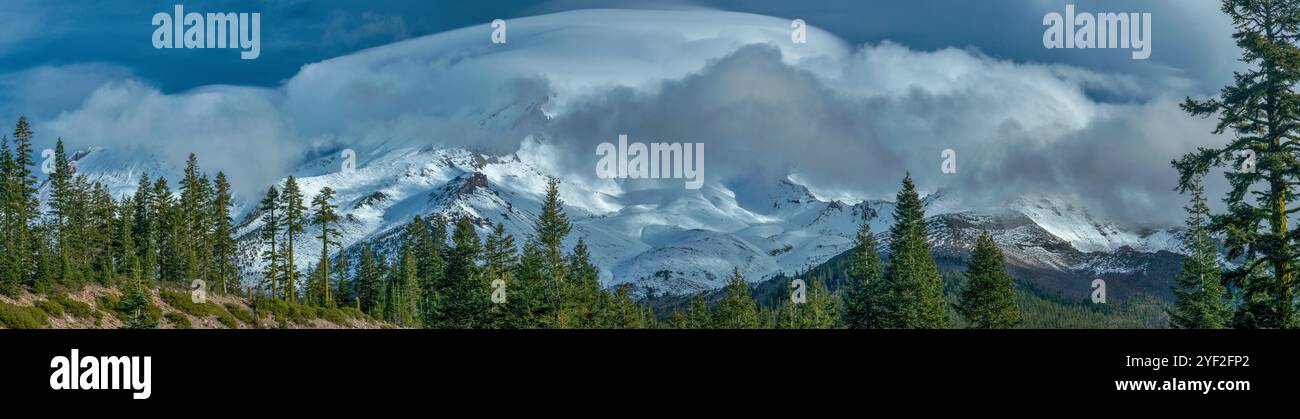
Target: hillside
[{"x": 95, "y": 307}]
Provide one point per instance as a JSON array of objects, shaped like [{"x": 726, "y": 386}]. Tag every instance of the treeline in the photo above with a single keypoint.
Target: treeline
[
  {"x": 443, "y": 276},
  {"x": 84, "y": 235}
]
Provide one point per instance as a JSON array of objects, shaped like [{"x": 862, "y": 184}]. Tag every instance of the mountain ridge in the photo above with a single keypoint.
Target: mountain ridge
[{"x": 683, "y": 242}]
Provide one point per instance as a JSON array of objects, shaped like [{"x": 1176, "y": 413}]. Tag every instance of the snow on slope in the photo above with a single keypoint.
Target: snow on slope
[
  {"x": 119, "y": 169},
  {"x": 1068, "y": 219},
  {"x": 696, "y": 235},
  {"x": 679, "y": 241}
]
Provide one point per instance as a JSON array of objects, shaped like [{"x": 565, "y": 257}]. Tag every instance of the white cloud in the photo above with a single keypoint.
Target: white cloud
[
  {"x": 844, "y": 119},
  {"x": 42, "y": 92},
  {"x": 239, "y": 130}
]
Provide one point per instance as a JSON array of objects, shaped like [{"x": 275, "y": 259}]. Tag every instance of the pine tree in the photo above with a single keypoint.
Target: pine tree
[
  {"x": 651, "y": 320},
  {"x": 100, "y": 235},
  {"x": 10, "y": 278},
  {"x": 272, "y": 220},
  {"x": 369, "y": 283},
  {"x": 128, "y": 259},
  {"x": 698, "y": 315},
  {"x": 325, "y": 217},
  {"x": 864, "y": 288},
  {"x": 529, "y": 302},
  {"x": 430, "y": 239},
  {"x": 738, "y": 309},
  {"x": 1262, "y": 108},
  {"x": 988, "y": 301},
  {"x": 73, "y": 254},
  {"x": 403, "y": 290},
  {"x": 205, "y": 261},
  {"x": 284, "y": 280},
  {"x": 223, "y": 244},
  {"x": 345, "y": 293},
  {"x": 498, "y": 263},
  {"x": 62, "y": 209},
  {"x": 292, "y": 206},
  {"x": 22, "y": 209},
  {"x": 464, "y": 301},
  {"x": 819, "y": 311},
  {"x": 581, "y": 288},
  {"x": 192, "y": 219},
  {"x": 617, "y": 310},
  {"x": 165, "y": 225},
  {"x": 913, "y": 290},
  {"x": 45, "y": 256},
  {"x": 143, "y": 229},
  {"x": 552, "y": 227},
  {"x": 1200, "y": 299},
  {"x": 136, "y": 302},
  {"x": 380, "y": 308}
]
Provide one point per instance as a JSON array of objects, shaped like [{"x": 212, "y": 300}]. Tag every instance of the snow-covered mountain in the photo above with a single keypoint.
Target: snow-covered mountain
[
  {"x": 666, "y": 239},
  {"x": 675, "y": 242}
]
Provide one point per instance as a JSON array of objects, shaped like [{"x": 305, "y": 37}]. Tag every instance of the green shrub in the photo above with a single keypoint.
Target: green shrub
[
  {"x": 336, "y": 316},
  {"x": 241, "y": 314},
  {"x": 183, "y": 302},
  {"x": 109, "y": 303},
  {"x": 228, "y": 320},
  {"x": 180, "y": 321},
  {"x": 50, "y": 307},
  {"x": 270, "y": 307},
  {"x": 137, "y": 300},
  {"x": 300, "y": 314},
  {"x": 75, "y": 308},
  {"x": 354, "y": 312},
  {"x": 19, "y": 317},
  {"x": 285, "y": 311}
]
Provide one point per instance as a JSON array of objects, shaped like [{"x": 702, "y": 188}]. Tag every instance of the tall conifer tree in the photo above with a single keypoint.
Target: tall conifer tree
[
  {"x": 1200, "y": 299},
  {"x": 988, "y": 301},
  {"x": 1262, "y": 109},
  {"x": 223, "y": 243},
  {"x": 272, "y": 223},
  {"x": 325, "y": 217},
  {"x": 912, "y": 289},
  {"x": 293, "y": 208},
  {"x": 737, "y": 309},
  {"x": 864, "y": 288}
]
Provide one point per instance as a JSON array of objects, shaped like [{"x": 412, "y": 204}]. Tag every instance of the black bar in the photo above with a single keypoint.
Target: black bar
[{"x": 260, "y": 366}]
